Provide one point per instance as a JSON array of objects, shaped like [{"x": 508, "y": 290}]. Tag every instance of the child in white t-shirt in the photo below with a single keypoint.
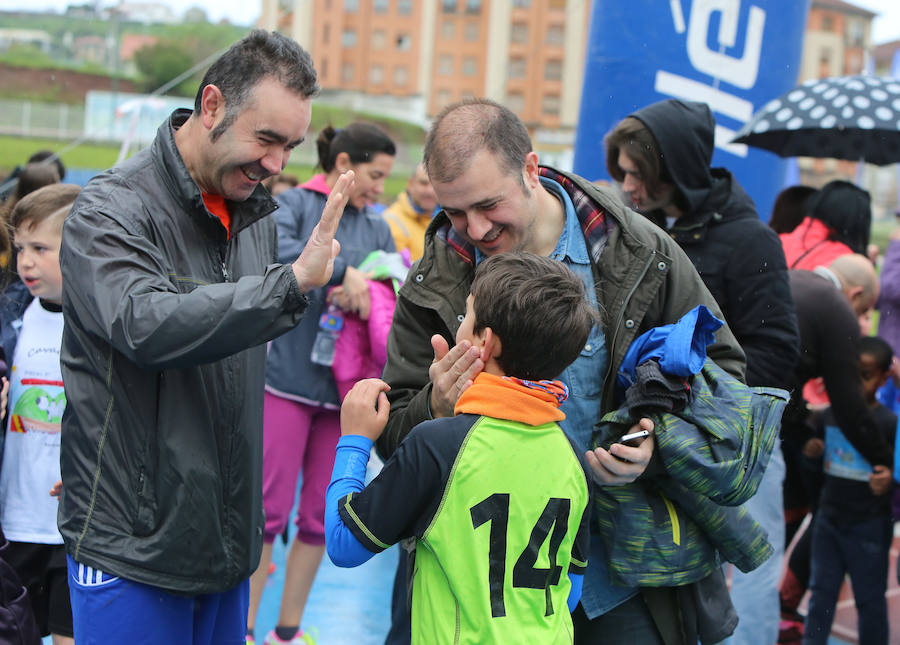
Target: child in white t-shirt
[{"x": 30, "y": 465}]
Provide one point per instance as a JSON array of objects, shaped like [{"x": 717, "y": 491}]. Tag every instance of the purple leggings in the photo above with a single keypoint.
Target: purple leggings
[{"x": 297, "y": 436}]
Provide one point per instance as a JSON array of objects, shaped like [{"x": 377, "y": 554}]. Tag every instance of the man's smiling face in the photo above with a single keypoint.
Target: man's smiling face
[
  {"x": 258, "y": 144},
  {"x": 490, "y": 207}
]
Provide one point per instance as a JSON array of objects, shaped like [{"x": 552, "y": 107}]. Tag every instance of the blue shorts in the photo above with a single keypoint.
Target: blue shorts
[{"x": 107, "y": 610}]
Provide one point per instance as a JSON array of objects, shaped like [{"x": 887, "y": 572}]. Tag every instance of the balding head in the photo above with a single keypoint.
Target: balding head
[
  {"x": 463, "y": 129},
  {"x": 858, "y": 279}
]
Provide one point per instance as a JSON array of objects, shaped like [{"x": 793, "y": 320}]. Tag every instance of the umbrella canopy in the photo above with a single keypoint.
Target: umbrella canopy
[{"x": 846, "y": 117}]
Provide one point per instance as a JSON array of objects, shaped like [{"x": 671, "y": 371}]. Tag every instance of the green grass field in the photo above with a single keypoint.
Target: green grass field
[{"x": 15, "y": 150}]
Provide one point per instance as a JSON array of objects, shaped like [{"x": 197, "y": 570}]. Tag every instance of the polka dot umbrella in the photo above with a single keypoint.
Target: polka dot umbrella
[{"x": 846, "y": 117}]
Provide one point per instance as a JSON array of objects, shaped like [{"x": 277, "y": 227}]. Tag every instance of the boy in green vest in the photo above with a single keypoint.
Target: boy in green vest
[{"x": 496, "y": 496}]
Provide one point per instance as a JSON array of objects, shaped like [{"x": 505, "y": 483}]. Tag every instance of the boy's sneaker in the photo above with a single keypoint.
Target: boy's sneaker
[
  {"x": 302, "y": 638},
  {"x": 250, "y": 640}
]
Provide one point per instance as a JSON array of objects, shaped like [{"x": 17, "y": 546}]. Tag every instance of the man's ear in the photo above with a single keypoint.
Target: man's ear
[
  {"x": 853, "y": 294},
  {"x": 491, "y": 346},
  {"x": 212, "y": 106},
  {"x": 531, "y": 171}
]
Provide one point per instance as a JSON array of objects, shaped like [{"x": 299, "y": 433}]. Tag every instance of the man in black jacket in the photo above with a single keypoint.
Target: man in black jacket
[
  {"x": 170, "y": 293},
  {"x": 661, "y": 154}
]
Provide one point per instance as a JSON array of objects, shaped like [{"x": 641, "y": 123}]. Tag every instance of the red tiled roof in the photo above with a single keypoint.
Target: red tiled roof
[{"x": 845, "y": 7}]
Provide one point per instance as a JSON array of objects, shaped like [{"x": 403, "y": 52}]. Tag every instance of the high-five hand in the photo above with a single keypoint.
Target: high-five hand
[{"x": 316, "y": 262}]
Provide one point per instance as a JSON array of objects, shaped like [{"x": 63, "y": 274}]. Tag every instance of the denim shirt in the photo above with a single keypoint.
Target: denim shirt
[{"x": 584, "y": 378}]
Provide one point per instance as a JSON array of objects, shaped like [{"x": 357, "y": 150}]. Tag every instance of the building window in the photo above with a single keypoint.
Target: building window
[
  {"x": 448, "y": 6},
  {"x": 376, "y": 74},
  {"x": 403, "y": 42},
  {"x": 443, "y": 98},
  {"x": 347, "y": 72},
  {"x": 553, "y": 70},
  {"x": 856, "y": 33},
  {"x": 381, "y": 6},
  {"x": 401, "y": 76},
  {"x": 448, "y": 29},
  {"x": 521, "y": 4},
  {"x": 471, "y": 32},
  {"x": 556, "y": 35},
  {"x": 378, "y": 39},
  {"x": 519, "y": 32},
  {"x": 516, "y": 68},
  {"x": 323, "y": 67},
  {"x": 473, "y": 6},
  {"x": 351, "y": 5},
  {"x": 326, "y": 33},
  {"x": 404, "y": 7},
  {"x": 827, "y": 22},
  {"x": 515, "y": 102},
  {"x": 348, "y": 38},
  {"x": 550, "y": 105},
  {"x": 445, "y": 65},
  {"x": 469, "y": 66}
]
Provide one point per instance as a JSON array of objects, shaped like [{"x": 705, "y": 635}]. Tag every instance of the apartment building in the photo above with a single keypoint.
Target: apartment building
[
  {"x": 526, "y": 54},
  {"x": 838, "y": 39}
]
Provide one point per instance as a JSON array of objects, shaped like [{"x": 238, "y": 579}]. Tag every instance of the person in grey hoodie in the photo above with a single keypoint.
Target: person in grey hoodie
[{"x": 661, "y": 155}]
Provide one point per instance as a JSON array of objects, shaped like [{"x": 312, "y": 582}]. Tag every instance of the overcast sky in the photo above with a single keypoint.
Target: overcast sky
[{"x": 244, "y": 12}]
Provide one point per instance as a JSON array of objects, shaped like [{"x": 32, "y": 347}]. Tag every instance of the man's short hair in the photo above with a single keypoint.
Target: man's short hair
[
  {"x": 262, "y": 54},
  {"x": 463, "y": 129},
  {"x": 537, "y": 307},
  {"x": 51, "y": 202},
  {"x": 879, "y": 349},
  {"x": 633, "y": 138}
]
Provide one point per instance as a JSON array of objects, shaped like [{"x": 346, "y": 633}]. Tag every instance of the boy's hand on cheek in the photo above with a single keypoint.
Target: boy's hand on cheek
[{"x": 365, "y": 409}]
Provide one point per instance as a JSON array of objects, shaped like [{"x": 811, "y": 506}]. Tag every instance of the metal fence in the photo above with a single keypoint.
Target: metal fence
[
  {"x": 68, "y": 123},
  {"x": 41, "y": 119}
]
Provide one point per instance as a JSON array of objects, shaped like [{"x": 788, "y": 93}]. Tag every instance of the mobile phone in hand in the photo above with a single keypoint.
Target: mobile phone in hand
[{"x": 633, "y": 438}]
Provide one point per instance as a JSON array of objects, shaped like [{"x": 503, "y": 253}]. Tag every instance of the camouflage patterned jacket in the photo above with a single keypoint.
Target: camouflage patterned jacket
[{"x": 676, "y": 525}]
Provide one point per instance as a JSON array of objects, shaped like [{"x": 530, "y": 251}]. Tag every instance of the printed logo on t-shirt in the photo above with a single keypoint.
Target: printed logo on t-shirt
[
  {"x": 39, "y": 407},
  {"x": 842, "y": 459}
]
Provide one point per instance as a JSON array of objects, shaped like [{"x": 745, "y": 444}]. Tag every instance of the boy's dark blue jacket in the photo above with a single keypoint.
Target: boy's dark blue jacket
[{"x": 13, "y": 303}]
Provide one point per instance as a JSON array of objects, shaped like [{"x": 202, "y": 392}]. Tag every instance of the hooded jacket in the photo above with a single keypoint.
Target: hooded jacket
[
  {"x": 163, "y": 356},
  {"x": 738, "y": 257}
]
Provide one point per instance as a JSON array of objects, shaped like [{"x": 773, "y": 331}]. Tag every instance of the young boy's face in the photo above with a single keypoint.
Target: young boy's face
[
  {"x": 37, "y": 259},
  {"x": 871, "y": 374}
]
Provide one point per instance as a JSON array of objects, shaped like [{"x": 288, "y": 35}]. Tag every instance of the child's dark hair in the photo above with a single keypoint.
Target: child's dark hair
[
  {"x": 361, "y": 142},
  {"x": 539, "y": 310},
  {"x": 879, "y": 349}
]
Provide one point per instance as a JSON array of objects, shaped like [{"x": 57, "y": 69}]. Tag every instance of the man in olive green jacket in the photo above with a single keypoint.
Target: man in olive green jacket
[{"x": 495, "y": 198}]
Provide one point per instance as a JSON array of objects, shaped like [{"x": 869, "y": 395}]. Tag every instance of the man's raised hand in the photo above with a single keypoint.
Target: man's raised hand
[{"x": 316, "y": 262}]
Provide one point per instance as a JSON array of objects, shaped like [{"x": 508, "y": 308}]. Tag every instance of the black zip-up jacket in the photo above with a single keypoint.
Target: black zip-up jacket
[
  {"x": 739, "y": 258},
  {"x": 163, "y": 357}
]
